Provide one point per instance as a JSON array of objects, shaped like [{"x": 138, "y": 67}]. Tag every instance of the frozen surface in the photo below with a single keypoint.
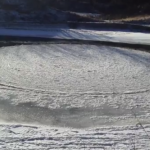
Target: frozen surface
[
  {"x": 114, "y": 36},
  {"x": 22, "y": 137},
  {"x": 90, "y": 89}
]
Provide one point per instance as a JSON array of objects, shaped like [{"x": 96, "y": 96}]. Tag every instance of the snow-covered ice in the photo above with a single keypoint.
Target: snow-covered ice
[
  {"x": 88, "y": 97},
  {"x": 22, "y": 137}
]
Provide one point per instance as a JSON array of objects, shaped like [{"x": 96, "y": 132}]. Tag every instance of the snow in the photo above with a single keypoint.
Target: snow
[
  {"x": 34, "y": 137},
  {"x": 113, "y": 36},
  {"x": 74, "y": 97},
  {"x": 94, "y": 15},
  {"x": 63, "y": 96}
]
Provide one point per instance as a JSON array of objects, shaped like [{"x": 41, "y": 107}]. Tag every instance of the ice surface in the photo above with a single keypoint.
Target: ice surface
[
  {"x": 16, "y": 137},
  {"x": 77, "y": 87}
]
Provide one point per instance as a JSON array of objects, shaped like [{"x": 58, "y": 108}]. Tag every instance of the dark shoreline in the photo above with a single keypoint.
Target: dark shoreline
[
  {"x": 17, "y": 40},
  {"x": 111, "y": 26}
]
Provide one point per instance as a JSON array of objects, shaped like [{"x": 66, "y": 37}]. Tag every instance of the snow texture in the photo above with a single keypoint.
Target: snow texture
[
  {"x": 22, "y": 137},
  {"x": 89, "y": 97}
]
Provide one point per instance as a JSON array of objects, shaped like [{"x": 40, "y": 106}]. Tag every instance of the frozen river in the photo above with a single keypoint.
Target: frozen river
[{"x": 88, "y": 97}]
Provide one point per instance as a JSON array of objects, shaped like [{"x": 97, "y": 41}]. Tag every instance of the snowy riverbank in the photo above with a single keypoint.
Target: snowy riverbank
[{"x": 112, "y": 36}]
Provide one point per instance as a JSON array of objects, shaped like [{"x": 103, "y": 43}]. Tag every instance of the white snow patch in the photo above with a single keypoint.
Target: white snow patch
[{"x": 113, "y": 36}]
